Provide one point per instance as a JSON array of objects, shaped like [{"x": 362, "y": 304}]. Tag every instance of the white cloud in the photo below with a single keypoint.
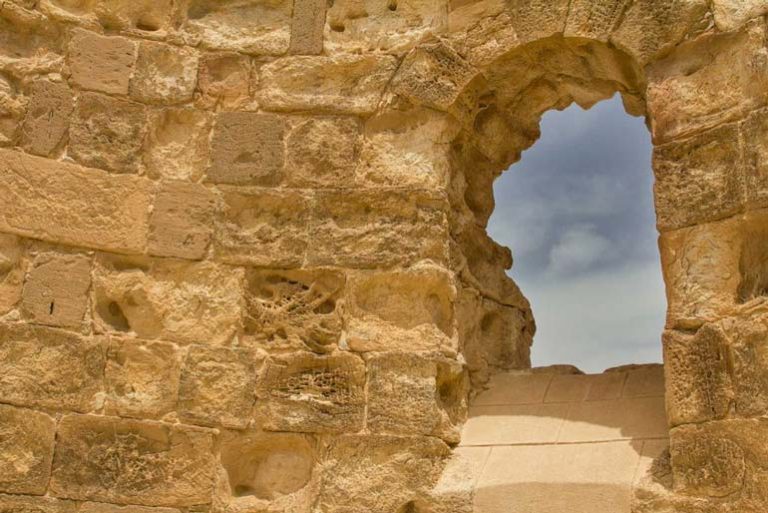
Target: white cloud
[{"x": 578, "y": 249}]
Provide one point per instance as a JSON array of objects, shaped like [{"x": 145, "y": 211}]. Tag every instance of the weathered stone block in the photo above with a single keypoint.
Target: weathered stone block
[
  {"x": 346, "y": 84},
  {"x": 47, "y": 121},
  {"x": 699, "y": 179},
  {"x": 314, "y": 394},
  {"x": 26, "y": 450},
  {"x": 307, "y": 27},
  {"x": 537, "y": 19},
  {"x": 732, "y": 14},
  {"x": 323, "y": 152},
  {"x": 127, "y": 461},
  {"x": 263, "y": 227},
  {"x": 49, "y": 368},
  {"x": 26, "y": 503},
  {"x": 12, "y": 271},
  {"x": 178, "y": 141},
  {"x": 100, "y": 63},
  {"x": 294, "y": 310},
  {"x": 594, "y": 19},
  {"x": 169, "y": 300},
  {"x": 217, "y": 387},
  {"x": 33, "y": 191},
  {"x": 181, "y": 224},
  {"x": 164, "y": 74},
  {"x": 224, "y": 79},
  {"x": 142, "y": 378},
  {"x": 378, "y": 228},
  {"x": 248, "y": 149},
  {"x": 754, "y": 133},
  {"x": 103, "y": 507},
  {"x": 749, "y": 354},
  {"x": 56, "y": 290}
]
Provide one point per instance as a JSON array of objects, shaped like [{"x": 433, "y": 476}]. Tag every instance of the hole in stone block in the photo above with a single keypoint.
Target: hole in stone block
[
  {"x": 338, "y": 27},
  {"x": 147, "y": 25},
  {"x": 392, "y": 5},
  {"x": 112, "y": 313}
]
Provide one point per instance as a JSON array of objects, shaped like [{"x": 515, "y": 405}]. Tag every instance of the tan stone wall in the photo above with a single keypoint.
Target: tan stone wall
[{"x": 243, "y": 258}]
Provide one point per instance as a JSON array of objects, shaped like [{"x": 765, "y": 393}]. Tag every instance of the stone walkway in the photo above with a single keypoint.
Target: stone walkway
[{"x": 561, "y": 443}]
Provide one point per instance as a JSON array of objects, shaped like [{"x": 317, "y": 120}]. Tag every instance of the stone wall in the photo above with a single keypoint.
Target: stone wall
[{"x": 243, "y": 257}]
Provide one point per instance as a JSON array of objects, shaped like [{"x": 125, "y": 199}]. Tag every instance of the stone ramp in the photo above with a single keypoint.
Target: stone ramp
[{"x": 562, "y": 443}]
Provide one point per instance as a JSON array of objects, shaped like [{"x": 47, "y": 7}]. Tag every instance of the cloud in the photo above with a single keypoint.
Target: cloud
[{"x": 580, "y": 248}]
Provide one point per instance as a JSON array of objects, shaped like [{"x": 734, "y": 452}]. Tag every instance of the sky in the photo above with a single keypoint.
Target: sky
[{"x": 577, "y": 212}]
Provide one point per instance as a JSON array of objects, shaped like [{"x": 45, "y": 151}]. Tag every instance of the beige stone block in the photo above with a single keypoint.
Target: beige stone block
[
  {"x": 568, "y": 388},
  {"x": 22, "y": 503},
  {"x": 594, "y": 19},
  {"x": 224, "y": 79},
  {"x": 749, "y": 361},
  {"x": 514, "y": 424},
  {"x": 26, "y": 450},
  {"x": 303, "y": 392},
  {"x": 382, "y": 228},
  {"x": 755, "y": 134},
  {"x": 699, "y": 180},
  {"x": 164, "y": 74},
  {"x": 323, "y": 152},
  {"x": 248, "y": 149},
  {"x": 100, "y": 63},
  {"x": 56, "y": 290},
  {"x": 178, "y": 144},
  {"x": 142, "y": 377},
  {"x": 12, "y": 272},
  {"x": 181, "y": 224},
  {"x": 344, "y": 84},
  {"x": 127, "y": 461},
  {"x": 307, "y": 27},
  {"x": 606, "y": 386},
  {"x": 263, "y": 227},
  {"x": 47, "y": 121},
  {"x": 732, "y": 14},
  {"x": 253, "y": 26},
  {"x": 102, "y": 507},
  {"x": 515, "y": 388},
  {"x": 169, "y": 300},
  {"x": 537, "y": 19},
  {"x": 654, "y": 457},
  {"x": 294, "y": 310},
  {"x": 217, "y": 387},
  {"x": 646, "y": 381},
  {"x": 108, "y": 133},
  {"x": 34, "y": 190},
  {"x": 629, "y": 418},
  {"x": 50, "y": 368}
]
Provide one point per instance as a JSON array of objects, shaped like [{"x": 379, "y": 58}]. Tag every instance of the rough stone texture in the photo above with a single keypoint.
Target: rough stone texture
[
  {"x": 177, "y": 144},
  {"x": 12, "y": 271},
  {"x": 224, "y": 79},
  {"x": 323, "y": 152},
  {"x": 181, "y": 224},
  {"x": 26, "y": 450},
  {"x": 100, "y": 63},
  {"x": 164, "y": 74},
  {"x": 307, "y": 27},
  {"x": 47, "y": 121},
  {"x": 56, "y": 290}
]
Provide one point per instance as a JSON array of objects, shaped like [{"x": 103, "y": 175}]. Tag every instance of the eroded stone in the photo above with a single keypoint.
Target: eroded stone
[
  {"x": 12, "y": 271},
  {"x": 164, "y": 74},
  {"x": 178, "y": 144},
  {"x": 323, "y": 152},
  {"x": 181, "y": 224},
  {"x": 26, "y": 450},
  {"x": 47, "y": 121},
  {"x": 100, "y": 63},
  {"x": 56, "y": 290},
  {"x": 224, "y": 79}
]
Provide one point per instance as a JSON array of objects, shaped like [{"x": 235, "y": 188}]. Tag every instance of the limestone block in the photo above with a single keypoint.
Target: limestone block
[
  {"x": 56, "y": 290},
  {"x": 699, "y": 180},
  {"x": 12, "y": 271},
  {"x": 248, "y": 149},
  {"x": 224, "y": 79},
  {"x": 181, "y": 224},
  {"x": 307, "y": 27},
  {"x": 732, "y": 14},
  {"x": 379, "y": 228},
  {"x": 389, "y": 26},
  {"x": 402, "y": 310},
  {"x": 698, "y": 384},
  {"x": 485, "y": 30},
  {"x": 26, "y": 450},
  {"x": 262, "y": 227},
  {"x": 294, "y": 310},
  {"x": 708, "y": 81},
  {"x": 754, "y": 133},
  {"x": 100, "y": 63},
  {"x": 398, "y": 471},
  {"x": 108, "y": 133},
  {"x": 749, "y": 354},
  {"x": 177, "y": 144},
  {"x": 164, "y": 74},
  {"x": 132, "y": 462},
  {"x": 47, "y": 121},
  {"x": 651, "y": 28},
  {"x": 254, "y": 26},
  {"x": 323, "y": 152},
  {"x": 142, "y": 377},
  {"x": 345, "y": 84},
  {"x": 303, "y": 392},
  {"x": 33, "y": 191},
  {"x": 217, "y": 387},
  {"x": 145, "y": 16},
  {"x": 169, "y": 300},
  {"x": 103, "y": 507},
  {"x": 13, "y": 107},
  {"x": 594, "y": 19},
  {"x": 50, "y": 368},
  {"x": 537, "y": 19},
  {"x": 22, "y": 503}
]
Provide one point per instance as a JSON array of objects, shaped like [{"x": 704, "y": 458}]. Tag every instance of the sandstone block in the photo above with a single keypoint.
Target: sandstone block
[
  {"x": 100, "y": 63},
  {"x": 307, "y": 27},
  {"x": 217, "y": 387},
  {"x": 103, "y": 507},
  {"x": 26, "y": 451},
  {"x": 294, "y": 310},
  {"x": 177, "y": 144},
  {"x": 144, "y": 16},
  {"x": 12, "y": 271},
  {"x": 132, "y": 462},
  {"x": 345, "y": 84},
  {"x": 754, "y": 132},
  {"x": 262, "y": 227},
  {"x": 323, "y": 152},
  {"x": 749, "y": 354},
  {"x": 224, "y": 79},
  {"x": 49, "y": 368},
  {"x": 699, "y": 179},
  {"x": 377, "y": 228},
  {"x": 164, "y": 74},
  {"x": 594, "y": 19},
  {"x": 732, "y": 14},
  {"x": 142, "y": 378},
  {"x": 47, "y": 121},
  {"x": 169, "y": 300},
  {"x": 181, "y": 224},
  {"x": 248, "y": 149},
  {"x": 537, "y": 19},
  {"x": 23, "y": 503},
  {"x": 56, "y": 290},
  {"x": 307, "y": 393}
]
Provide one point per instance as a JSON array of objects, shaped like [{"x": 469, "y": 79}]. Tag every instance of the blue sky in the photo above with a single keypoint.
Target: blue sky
[{"x": 577, "y": 212}]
